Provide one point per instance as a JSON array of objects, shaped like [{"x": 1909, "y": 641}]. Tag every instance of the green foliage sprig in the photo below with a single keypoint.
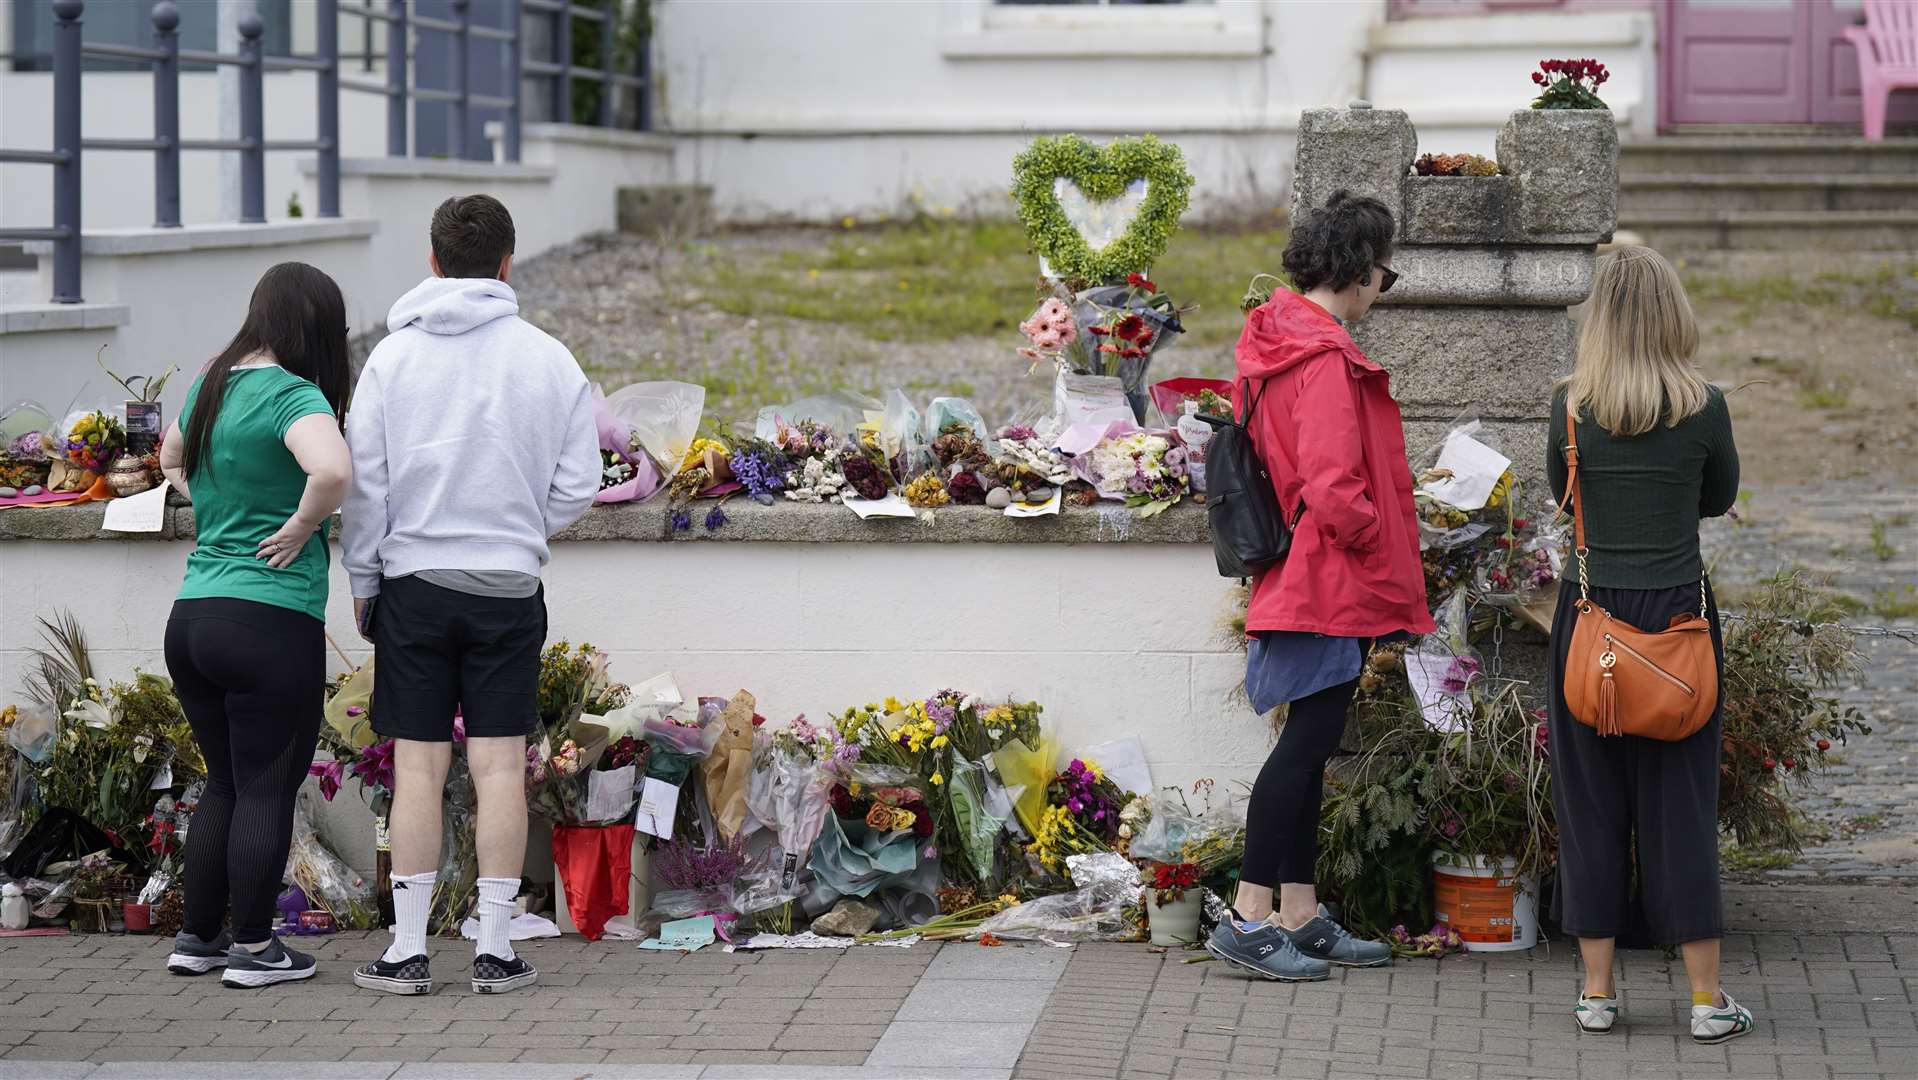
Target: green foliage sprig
[{"x": 1102, "y": 173}]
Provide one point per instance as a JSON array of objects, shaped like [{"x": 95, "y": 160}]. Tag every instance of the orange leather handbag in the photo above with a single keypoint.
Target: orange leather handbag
[{"x": 1622, "y": 680}]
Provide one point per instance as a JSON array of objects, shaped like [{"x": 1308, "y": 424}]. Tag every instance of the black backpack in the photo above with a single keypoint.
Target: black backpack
[{"x": 1249, "y": 531}]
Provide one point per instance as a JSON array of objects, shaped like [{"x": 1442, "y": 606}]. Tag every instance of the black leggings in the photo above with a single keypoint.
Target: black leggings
[
  {"x": 1282, "y": 822},
  {"x": 251, "y": 678}
]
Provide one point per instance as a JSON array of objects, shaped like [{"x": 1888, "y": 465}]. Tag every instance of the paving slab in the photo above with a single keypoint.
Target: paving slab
[{"x": 922, "y": 1043}]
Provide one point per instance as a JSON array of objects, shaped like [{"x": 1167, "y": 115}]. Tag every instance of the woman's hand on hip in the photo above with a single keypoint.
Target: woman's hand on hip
[{"x": 280, "y": 549}]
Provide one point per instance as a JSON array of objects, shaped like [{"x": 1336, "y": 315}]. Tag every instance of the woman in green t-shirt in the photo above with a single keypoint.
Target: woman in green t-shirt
[{"x": 265, "y": 464}]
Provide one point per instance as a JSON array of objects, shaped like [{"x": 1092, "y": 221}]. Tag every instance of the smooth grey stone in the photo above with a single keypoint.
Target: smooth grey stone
[
  {"x": 8, "y": 493},
  {"x": 33, "y": 489},
  {"x": 998, "y": 498}
]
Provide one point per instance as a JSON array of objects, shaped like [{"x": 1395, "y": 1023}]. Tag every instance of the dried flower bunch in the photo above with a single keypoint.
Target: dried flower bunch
[{"x": 1454, "y": 165}]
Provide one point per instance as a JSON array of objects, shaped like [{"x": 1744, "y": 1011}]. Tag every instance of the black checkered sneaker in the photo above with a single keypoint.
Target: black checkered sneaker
[
  {"x": 491, "y": 975},
  {"x": 408, "y": 976}
]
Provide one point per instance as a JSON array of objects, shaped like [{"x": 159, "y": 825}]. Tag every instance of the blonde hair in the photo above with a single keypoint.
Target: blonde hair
[{"x": 1636, "y": 346}]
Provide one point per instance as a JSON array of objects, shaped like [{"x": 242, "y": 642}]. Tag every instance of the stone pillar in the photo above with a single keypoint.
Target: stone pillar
[{"x": 1488, "y": 266}]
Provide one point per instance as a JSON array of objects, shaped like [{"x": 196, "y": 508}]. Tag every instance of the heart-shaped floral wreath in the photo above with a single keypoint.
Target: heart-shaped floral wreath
[{"x": 1102, "y": 173}]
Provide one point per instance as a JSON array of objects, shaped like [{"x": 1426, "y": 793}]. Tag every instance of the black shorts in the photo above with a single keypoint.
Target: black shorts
[{"x": 437, "y": 650}]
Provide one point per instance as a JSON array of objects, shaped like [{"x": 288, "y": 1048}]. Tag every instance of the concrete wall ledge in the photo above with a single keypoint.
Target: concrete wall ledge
[
  {"x": 1514, "y": 29},
  {"x": 581, "y": 135},
  {"x": 39, "y": 318},
  {"x": 784, "y": 522},
  {"x": 433, "y": 169},
  {"x": 152, "y": 241}
]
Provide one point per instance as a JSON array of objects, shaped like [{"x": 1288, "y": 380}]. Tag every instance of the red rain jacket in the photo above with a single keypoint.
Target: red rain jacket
[{"x": 1330, "y": 435}]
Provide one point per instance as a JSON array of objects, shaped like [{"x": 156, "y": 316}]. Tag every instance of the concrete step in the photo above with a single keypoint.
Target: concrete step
[
  {"x": 1717, "y": 191},
  {"x": 1767, "y": 155},
  {"x": 1775, "y": 230}
]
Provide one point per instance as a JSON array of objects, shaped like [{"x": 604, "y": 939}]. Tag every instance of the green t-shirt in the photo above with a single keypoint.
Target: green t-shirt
[{"x": 248, "y": 489}]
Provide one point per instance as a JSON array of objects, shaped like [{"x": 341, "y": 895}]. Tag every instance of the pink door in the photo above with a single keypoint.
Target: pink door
[
  {"x": 1736, "y": 61},
  {"x": 1762, "y": 62}
]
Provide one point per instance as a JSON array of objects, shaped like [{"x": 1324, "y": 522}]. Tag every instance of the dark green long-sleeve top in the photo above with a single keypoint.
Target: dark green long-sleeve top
[{"x": 1645, "y": 494}]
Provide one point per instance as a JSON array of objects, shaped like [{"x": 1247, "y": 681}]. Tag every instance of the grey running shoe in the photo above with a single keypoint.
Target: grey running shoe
[
  {"x": 408, "y": 976},
  {"x": 276, "y": 963},
  {"x": 491, "y": 975},
  {"x": 1265, "y": 951},
  {"x": 193, "y": 955},
  {"x": 1327, "y": 940}
]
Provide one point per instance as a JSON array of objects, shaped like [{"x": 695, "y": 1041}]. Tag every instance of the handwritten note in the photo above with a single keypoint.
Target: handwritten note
[{"x": 145, "y": 512}]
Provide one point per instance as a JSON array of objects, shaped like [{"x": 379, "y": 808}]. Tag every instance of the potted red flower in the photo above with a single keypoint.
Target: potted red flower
[{"x": 1175, "y": 907}]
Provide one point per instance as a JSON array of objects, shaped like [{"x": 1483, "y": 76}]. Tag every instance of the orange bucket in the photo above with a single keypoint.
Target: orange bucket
[{"x": 1485, "y": 901}]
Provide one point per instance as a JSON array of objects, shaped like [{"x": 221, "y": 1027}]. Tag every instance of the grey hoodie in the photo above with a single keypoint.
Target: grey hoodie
[{"x": 472, "y": 436}]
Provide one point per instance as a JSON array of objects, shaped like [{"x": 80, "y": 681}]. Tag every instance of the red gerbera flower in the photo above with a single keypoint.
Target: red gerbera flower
[
  {"x": 1139, "y": 281},
  {"x": 1130, "y": 327},
  {"x": 1100, "y": 331}
]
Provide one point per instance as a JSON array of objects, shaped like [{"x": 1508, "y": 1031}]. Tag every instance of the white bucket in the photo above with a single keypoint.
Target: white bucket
[{"x": 1485, "y": 901}]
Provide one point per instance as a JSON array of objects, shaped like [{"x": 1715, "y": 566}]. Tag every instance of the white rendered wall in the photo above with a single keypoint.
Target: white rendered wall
[
  {"x": 1459, "y": 77},
  {"x": 1114, "y": 639},
  {"x": 183, "y": 305},
  {"x": 834, "y": 107}
]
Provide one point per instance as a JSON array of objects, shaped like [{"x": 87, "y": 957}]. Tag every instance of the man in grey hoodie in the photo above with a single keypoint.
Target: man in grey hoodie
[{"x": 473, "y": 441}]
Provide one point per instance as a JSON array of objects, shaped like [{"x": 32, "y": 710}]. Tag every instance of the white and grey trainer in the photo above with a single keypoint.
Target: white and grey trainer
[
  {"x": 248, "y": 970},
  {"x": 1718, "y": 1023},
  {"x": 193, "y": 955},
  {"x": 1596, "y": 1015}
]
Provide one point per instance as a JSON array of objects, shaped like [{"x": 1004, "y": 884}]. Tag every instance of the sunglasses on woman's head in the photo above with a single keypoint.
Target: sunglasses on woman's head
[{"x": 1391, "y": 276}]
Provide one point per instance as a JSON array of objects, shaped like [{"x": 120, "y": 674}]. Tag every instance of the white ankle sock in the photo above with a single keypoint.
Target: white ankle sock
[
  {"x": 412, "y": 903},
  {"x": 496, "y": 895}
]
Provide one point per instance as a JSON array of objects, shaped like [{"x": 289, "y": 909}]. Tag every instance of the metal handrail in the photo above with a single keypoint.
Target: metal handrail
[{"x": 165, "y": 144}]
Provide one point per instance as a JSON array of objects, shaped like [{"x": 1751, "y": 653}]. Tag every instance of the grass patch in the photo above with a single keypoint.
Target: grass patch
[
  {"x": 1734, "y": 857},
  {"x": 936, "y": 279},
  {"x": 1895, "y": 602},
  {"x": 1882, "y": 548},
  {"x": 1887, "y": 292}
]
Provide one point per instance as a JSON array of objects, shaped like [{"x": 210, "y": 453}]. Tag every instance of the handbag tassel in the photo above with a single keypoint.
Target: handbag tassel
[{"x": 1608, "y": 706}]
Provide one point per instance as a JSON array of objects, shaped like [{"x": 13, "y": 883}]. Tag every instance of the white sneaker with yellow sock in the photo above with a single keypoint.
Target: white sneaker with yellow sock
[{"x": 1715, "y": 1023}]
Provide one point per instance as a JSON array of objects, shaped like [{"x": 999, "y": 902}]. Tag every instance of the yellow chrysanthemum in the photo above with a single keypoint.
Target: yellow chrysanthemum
[
  {"x": 697, "y": 452},
  {"x": 893, "y": 704}
]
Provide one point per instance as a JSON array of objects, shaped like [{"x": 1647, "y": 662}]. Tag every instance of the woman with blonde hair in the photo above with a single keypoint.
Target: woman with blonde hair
[{"x": 1655, "y": 455}]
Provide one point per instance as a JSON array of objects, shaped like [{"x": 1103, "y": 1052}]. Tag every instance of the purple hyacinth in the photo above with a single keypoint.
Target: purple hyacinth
[
  {"x": 758, "y": 473},
  {"x": 682, "y": 521},
  {"x": 715, "y": 519}
]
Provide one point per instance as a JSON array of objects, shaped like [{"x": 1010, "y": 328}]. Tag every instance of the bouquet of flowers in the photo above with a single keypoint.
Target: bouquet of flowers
[
  {"x": 93, "y": 440},
  {"x": 574, "y": 691},
  {"x": 1022, "y": 462},
  {"x": 811, "y": 453},
  {"x": 1081, "y": 815},
  {"x": 113, "y": 742},
  {"x": 23, "y": 461},
  {"x": 1147, "y": 471},
  {"x": 760, "y": 466},
  {"x": 1108, "y": 330}
]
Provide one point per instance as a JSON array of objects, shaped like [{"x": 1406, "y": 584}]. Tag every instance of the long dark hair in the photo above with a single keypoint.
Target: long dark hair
[{"x": 298, "y": 316}]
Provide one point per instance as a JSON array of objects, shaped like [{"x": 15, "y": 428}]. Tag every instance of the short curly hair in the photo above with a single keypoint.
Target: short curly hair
[{"x": 1339, "y": 243}]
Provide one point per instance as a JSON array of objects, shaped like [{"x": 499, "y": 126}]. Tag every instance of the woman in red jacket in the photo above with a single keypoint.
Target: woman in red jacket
[{"x": 1328, "y": 431}]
